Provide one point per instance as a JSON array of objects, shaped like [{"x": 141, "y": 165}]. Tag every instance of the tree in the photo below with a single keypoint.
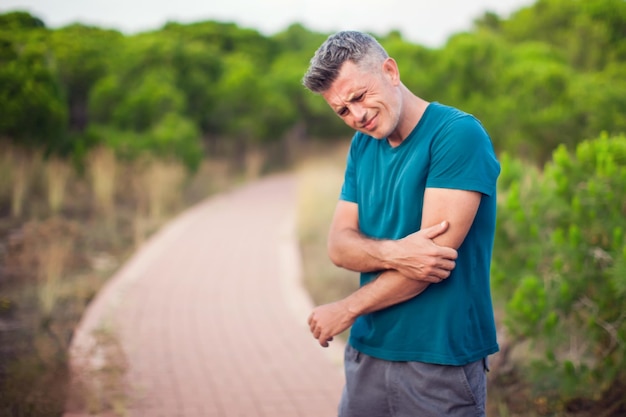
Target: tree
[
  {"x": 467, "y": 70},
  {"x": 18, "y": 21},
  {"x": 534, "y": 106},
  {"x": 590, "y": 32},
  {"x": 172, "y": 84},
  {"x": 81, "y": 56},
  {"x": 32, "y": 105}
]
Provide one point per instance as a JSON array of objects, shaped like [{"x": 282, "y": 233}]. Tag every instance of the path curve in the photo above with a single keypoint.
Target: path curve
[{"x": 211, "y": 316}]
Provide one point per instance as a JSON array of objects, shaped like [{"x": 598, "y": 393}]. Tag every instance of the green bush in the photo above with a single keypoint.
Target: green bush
[
  {"x": 560, "y": 267},
  {"x": 173, "y": 136}
]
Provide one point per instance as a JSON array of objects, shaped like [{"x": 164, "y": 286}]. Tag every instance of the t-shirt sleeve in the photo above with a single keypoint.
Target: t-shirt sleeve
[
  {"x": 462, "y": 157},
  {"x": 348, "y": 190}
]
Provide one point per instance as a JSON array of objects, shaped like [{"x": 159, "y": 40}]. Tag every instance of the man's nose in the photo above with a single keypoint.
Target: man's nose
[{"x": 358, "y": 112}]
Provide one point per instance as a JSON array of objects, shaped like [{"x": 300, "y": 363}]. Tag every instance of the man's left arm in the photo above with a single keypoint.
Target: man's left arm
[{"x": 457, "y": 207}]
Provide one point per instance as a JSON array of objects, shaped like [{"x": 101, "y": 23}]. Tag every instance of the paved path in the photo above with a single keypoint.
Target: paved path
[{"x": 211, "y": 316}]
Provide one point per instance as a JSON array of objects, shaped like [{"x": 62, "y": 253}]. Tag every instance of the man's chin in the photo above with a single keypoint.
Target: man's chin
[{"x": 375, "y": 135}]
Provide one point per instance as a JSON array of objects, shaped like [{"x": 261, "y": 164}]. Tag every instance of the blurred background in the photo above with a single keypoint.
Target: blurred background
[{"x": 109, "y": 128}]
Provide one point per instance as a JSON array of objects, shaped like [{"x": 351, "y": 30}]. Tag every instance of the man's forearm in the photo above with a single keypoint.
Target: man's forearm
[
  {"x": 351, "y": 250},
  {"x": 414, "y": 256},
  {"x": 389, "y": 288}
]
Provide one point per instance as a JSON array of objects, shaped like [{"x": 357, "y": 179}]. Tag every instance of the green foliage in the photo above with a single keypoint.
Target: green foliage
[
  {"x": 469, "y": 68},
  {"x": 153, "y": 96},
  {"x": 535, "y": 112},
  {"x": 559, "y": 260},
  {"x": 418, "y": 65},
  {"x": 241, "y": 93},
  {"x": 81, "y": 56},
  {"x": 604, "y": 103},
  {"x": 31, "y": 101},
  {"x": 226, "y": 38},
  {"x": 13, "y": 21},
  {"x": 550, "y": 74},
  {"x": 296, "y": 38},
  {"x": 172, "y": 84},
  {"x": 172, "y": 136},
  {"x": 590, "y": 33}
]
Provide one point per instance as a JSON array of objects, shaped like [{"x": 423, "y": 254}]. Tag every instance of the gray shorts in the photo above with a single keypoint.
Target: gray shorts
[{"x": 380, "y": 388}]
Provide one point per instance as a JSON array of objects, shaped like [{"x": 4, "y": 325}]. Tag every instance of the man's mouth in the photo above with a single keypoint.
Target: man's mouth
[{"x": 370, "y": 124}]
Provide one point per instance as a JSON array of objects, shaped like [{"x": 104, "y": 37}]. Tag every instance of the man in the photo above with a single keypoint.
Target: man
[{"x": 416, "y": 217}]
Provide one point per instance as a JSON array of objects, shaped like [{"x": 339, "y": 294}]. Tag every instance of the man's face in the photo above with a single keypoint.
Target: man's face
[{"x": 367, "y": 101}]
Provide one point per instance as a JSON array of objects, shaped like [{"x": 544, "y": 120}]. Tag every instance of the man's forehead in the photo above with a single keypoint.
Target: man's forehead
[
  {"x": 341, "y": 93},
  {"x": 346, "y": 86}
]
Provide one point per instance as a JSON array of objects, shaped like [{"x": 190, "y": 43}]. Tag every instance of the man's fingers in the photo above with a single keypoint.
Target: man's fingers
[
  {"x": 443, "y": 272},
  {"x": 325, "y": 342},
  {"x": 317, "y": 333},
  {"x": 447, "y": 265},
  {"x": 433, "y": 279},
  {"x": 436, "y": 230},
  {"x": 438, "y": 274}
]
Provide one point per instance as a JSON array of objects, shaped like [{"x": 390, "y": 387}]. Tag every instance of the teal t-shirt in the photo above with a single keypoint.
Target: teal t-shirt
[{"x": 450, "y": 323}]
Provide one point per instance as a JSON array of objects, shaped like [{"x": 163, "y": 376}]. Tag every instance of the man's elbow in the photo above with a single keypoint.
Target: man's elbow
[{"x": 334, "y": 254}]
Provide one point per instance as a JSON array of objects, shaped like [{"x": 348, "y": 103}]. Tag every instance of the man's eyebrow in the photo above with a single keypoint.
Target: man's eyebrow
[
  {"x": 349, "y": 99},
  {"x": 340, "y": 110}
]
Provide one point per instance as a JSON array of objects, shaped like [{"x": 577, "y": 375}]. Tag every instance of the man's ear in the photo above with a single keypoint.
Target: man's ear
[{"x": 390, "y": 69}]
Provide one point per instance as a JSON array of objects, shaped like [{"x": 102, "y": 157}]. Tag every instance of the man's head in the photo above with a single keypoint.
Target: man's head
[
  {"x": 360, "y": 82},
  {"x": 356, "y": 47}
]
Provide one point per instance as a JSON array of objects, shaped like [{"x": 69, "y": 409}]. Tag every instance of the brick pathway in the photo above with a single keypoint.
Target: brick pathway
[{"x": 211, "y": 316}]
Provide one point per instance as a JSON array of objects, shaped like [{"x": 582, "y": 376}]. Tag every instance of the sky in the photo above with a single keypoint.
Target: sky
[{"x": 426, "y": 22}]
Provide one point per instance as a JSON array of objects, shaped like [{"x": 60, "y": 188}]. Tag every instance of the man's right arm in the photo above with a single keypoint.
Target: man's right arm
[
  {"x": 408, "y": 266},
  {"x": 416, "y": 256}
]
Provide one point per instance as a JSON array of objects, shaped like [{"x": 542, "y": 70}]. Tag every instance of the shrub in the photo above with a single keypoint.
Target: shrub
[{"x": 560, "y": 264}]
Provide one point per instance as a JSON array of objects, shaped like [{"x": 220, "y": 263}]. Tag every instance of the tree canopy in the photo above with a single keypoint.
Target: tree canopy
[{"x": 550, "y": 74}]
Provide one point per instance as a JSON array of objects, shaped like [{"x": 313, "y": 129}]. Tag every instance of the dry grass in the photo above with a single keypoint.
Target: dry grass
[
  {"x": 319, "y": 184},
  {"x": 254, "y": 163},
  {"x": 102, "y": 169},
  {"x": 22, "y": 170},
  {"x": 61, "y": 237},
  {"x": 53, "y": 259},
  {"x": 162, "y": 180},
  {"x": 157, "y": 186},
  {"x": 57, "y": 175}
]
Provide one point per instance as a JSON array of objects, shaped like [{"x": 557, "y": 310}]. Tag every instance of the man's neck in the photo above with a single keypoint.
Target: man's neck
[{"x": 413, "y": 108}]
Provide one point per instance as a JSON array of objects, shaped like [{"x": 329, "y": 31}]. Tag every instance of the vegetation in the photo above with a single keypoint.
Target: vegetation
[
  {"x": 63, "y": 233},
  {"x": 115, "y": 133},
  {"x": 563, "y": 284}
]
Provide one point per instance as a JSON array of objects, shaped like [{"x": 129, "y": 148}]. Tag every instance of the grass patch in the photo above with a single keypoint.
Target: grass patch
[
  {"x": 100, "y": 387},
  {"x": 63, "y": 233},
  {"x": 319, "y": 184}
]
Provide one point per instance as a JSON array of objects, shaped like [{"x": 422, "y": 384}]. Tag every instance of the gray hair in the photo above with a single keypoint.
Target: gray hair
[{"x": 358, "y": 47}]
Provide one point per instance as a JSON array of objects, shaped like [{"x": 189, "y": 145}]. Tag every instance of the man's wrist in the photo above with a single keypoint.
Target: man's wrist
[
  {"x": 386, "y": 249},
  {"x": 353, "y": 306}
]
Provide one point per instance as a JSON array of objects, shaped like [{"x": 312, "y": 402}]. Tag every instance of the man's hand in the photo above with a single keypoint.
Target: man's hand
[
  {"x": 328, "y": 320},
  {"x": 417, "y": 257}
]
